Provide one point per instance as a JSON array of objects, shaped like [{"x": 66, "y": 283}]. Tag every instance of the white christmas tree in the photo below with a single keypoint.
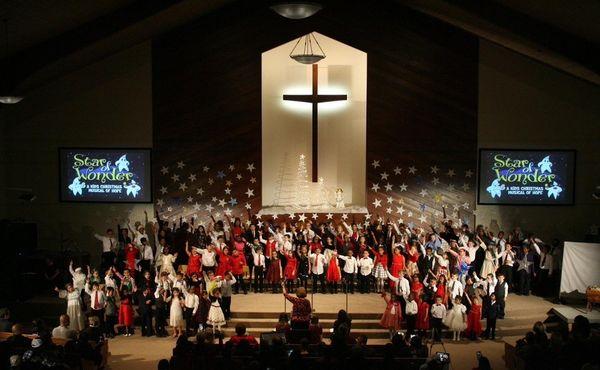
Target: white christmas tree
[
  {"x": 322, "y": 194},
  {"x": 302, "y": 189}
]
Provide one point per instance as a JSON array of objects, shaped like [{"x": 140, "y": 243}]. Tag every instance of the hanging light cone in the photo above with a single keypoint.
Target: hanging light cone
[
  {"x": 307, "y": 50},
  {"x": 296, "y": 9}
]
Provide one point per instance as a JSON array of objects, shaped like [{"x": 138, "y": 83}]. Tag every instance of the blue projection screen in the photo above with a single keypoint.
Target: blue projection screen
[
  {"x": 526, "y": 177},
  {"x": 105, "y": 175}
]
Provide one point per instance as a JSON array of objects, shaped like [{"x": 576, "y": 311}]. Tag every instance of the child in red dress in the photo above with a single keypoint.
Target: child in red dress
[
  {"x": 422, "y": 317},
  {"x": 224, "y": 262},
  {"x": 194, "y": 261},
  {"x": 291, "y": 270},
  {"x": 131, "y": 254},
  {"x": 416, "y": 287},
  {"x": 126, "y": 312},
  {"x": 380, "y": 269},
  {"x": 274, "y": 272},
  {"x": 474, "y": 330},
  {"x": 334, "y": 275},
  {"x": 441, "y": 290},
  {"x": 398, "y": 265},
  {"x": 392, "y": 317}
]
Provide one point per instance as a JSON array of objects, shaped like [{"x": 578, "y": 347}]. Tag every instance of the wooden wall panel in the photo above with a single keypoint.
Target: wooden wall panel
[{"x": 421, "y": 107}]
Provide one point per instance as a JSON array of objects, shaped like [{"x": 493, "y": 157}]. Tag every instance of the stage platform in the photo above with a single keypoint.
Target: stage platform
[{"x": 567, "y": 314}]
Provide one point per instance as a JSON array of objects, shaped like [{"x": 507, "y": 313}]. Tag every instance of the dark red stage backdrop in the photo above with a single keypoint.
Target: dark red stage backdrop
[{"x": 421, "y": 110}]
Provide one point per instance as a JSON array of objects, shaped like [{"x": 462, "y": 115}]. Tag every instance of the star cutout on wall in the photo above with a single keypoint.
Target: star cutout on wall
[
  {"x": 160, "y": 202},
  {"x": 227, "y": 191},
  {"x": 192, "y": 177},
  {"x": 231, "y": 167},
  {"x": 196, "y": 206},
  {"x": 388, "y": 187},
  {"x": 468, "y": 173},
  {"x": 466, "y": 205},
  {"x": 205, "y": 168},
  {"x": 450, "y": 187},
  {"x": 210, "y": 181},
  {"x": 375, "y": 187},
  {"x": 377, "y": 203},
  {"x": 253, "y": 180},
  {"x": 384, "y": 176},
  {"x": 367, "y": 216},
  {"x": 329, "y": 216},
  {"x": 450, "y": 173},
  {"x": 412, "y": 170},
  {"x": 220, "y": 175},
  {"x": 250, "y": 193},
  {"x": 375, "y": 164},
  {"x": 403, "y": 187},
  {"x": 233, "y": 202},
  {"x": 466, "y": 187},
  {"x": 247, "y": 206},
  {"x": 423, "y": 192},
  {"x": 180, "y": 164},
  {"x": 199, "y": 191},
  {"x": 238, "y": 176},
  {"x": 175, "y": 178},
  {"x": 164, "y": 170},
  {"x": 250, "y": 167},
  {"x": 397, "y": 171},
  {"x": 222, "y": 202},
  {"x": 344, "y": 216},
  {"x": 388, "y": 210},
  {"x": 209, "y": 207},
  {"x": 409, "y": 214},
  {"x": 422, "y": 218},
  {"x": 435, "y": 181},
  {"x": 182, "y": 186},
  {"x": 274, "y": 217},
  {"x": 390, "y": 199},
  {"x": 292, "y": 216},
  {"x": 163, "y": 190},
  {"x": 434, "y": 169},
  {"x": 214, "y": 199},
  {"x": 190, "y": 199},
  {"x": 228, "y": 183},
  {"x": 400, "y": 210},
  {"x": 315, "y": 216},
  {"x": 227, "y": 211}
]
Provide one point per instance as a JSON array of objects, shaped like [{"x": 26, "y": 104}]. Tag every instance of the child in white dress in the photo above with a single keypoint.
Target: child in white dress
[
  {"x": 216, "y": 318},
  {"x": 73, "y": 297},
  {"x": 455, "y": 319},
  {"x": 176, "y": 312}
]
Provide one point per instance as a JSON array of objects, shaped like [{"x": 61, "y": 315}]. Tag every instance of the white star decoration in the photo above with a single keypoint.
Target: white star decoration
[
  {"x": 384, "y": 176},
  {"x": 422, "y": 218},
  {"x": 375, "y": 187},
  {"x": 192, "y": 177},
  {"x": 164, "y": 170},
  {"x": 190, "y": 199},
  {"x": 231, "y": 167},
  {"x": 205, "y": 168},
  {"x": 227, "y": 191},
  {"x": 160, "y": 202},
  {"x": 377, "y": 203},
  {"x": 390, "y": 199},
  {"x": 199, "y": 191},
  {"x": 400, "y": 210},
  {"x": 253, "y": 180},
  {"x": 412, "y": 170},
  {"x": 163, "y": 190},
  {"x": 315, "y": 216},
  {"x": 397, "y": 171},
  {"x": 344, "y": 216},
  {"x": 435, "y": 181},
  {"x": 388, "y": 187},
  {"x": 468, "y": 173},
  {"x": 329, "y": 216},
  {"x": 403, "y": 187},
  {"x": 423, "y": 192},
  {"x": 250, "y": 167},
  {"x": 375, "y": 164},
  {"x": 434, "y": 169},
  {"x": 175, "y": 178},
  {"x": 466, "y": 187},
  {"x": 182, "y": 186},
  {"x": 180, "y": 164},
  {"x": 250, "y": 193},
  {"x": 450, "y": 173}
]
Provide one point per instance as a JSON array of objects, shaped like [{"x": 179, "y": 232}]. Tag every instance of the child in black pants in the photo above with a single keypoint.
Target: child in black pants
[{"x": 493, "y": 311}]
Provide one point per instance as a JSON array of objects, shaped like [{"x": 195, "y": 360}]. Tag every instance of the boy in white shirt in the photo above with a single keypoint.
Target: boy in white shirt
[
  {"x": 317, "y": 262},
  {"x": 365, "y": 265},
  {"x": 350, "y": 270}
]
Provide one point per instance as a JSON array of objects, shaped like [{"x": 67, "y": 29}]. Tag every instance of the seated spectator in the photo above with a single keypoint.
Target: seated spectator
[
  {"x": 81, "y": 347},
  {"x": 400, "y": 347},
  {"x": 241, "y": 336},
  {"x": 164, "y": 364},
  {"x": 94, "y": 331},
  {"x": 342, "y": 318},
  {"x": 417, "y": 348},
  {"x": 360, "y": 349},
  {"x": 316, "y": 330},
  {"x": 62, "y": 331},
  {"x": 283, "y": 325},
  {"x": 17, "y": 344},
  {"x": 40, "y": 357},
  {"x": 183, "y": 346},
  {"x": 5, "y": 323}
]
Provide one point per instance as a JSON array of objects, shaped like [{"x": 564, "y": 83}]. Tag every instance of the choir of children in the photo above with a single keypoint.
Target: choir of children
[{"x": 454, "y": 276}]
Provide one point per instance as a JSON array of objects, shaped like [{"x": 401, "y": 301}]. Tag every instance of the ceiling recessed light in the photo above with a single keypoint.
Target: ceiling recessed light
[{"x": 296, "y": 9}]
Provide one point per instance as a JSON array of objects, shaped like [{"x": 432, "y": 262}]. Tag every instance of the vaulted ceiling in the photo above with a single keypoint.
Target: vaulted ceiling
[{"x": 48, "y": 37}]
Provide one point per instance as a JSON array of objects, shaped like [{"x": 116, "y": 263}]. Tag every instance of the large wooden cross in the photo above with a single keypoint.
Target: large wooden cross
[{"x": 315, "y": 99}]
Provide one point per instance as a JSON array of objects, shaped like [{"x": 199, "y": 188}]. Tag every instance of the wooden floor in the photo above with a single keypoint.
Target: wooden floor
[{"x": 259, "y": 312}]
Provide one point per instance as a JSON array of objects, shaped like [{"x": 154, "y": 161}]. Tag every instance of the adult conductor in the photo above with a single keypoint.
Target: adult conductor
[{"x": 301, "y": 309}]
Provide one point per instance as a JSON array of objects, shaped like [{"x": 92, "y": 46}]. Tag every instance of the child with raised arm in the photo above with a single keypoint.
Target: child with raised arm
[
  {"x": 73, "y": 297},
  {"x": 392, "y": 316},
  {"x": 455, "y": 318}
]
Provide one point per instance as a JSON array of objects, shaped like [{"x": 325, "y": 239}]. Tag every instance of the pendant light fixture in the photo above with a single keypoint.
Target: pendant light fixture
[
  {"x": 307, "y": 50},
  {"x": 7, "y": 95},
  {"x": 296, "y": 9}
]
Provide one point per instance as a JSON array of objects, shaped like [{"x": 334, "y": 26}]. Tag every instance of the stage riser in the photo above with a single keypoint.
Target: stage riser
[{"x": 321, "y": 315}]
